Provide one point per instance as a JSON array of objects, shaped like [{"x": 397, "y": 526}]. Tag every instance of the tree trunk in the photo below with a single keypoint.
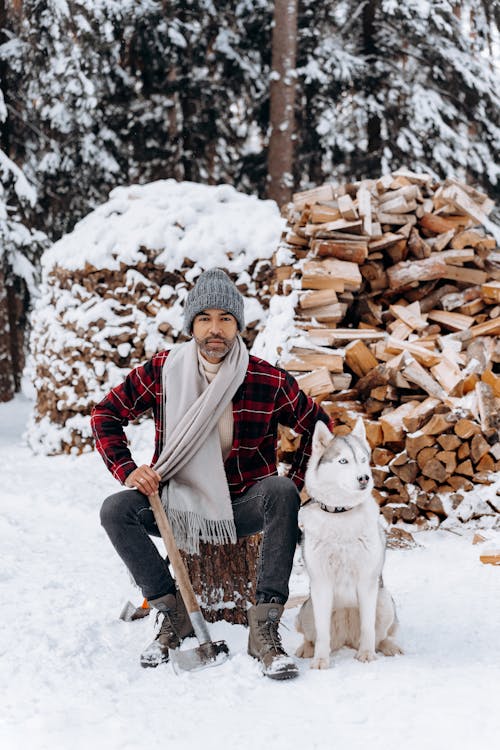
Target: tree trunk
[
  {"x": 7, "y": 381},
  {"x": 282, "y": 101},
  {"x": 224, "y": 577},
  {"x": 372, "y": 160}
]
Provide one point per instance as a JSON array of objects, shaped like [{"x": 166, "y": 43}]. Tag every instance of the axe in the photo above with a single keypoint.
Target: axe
[{"x": 208, "y": 652}]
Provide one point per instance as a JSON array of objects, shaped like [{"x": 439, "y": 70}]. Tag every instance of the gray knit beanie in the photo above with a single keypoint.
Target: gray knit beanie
[{"x": 213, "y": 290}]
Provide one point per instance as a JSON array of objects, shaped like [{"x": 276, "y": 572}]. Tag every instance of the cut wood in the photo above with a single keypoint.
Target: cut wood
[
  {"x": 359, "y": 358},
  {"x": 419, "y": 351},
  {"x": 452, "y": 320},
  {"x": 317, "y": 298},
  {"x": 437, "y": 424},
  {"x": 466, "y": 428},
  {"x": 449, "y": 442},
  {"x": 328, "y": 314},
  {"x": 374, "y": 433},
  {"x": 416, "y": 443},
  {"x": 449, "y": 459},
  {"x": 439, "y": 224},
  {"x": 415, "y": 373},
  {"x": 492, "y": 380},
  {"x": 387, "y": 239},
  {"x": 459, "y": 198},
  {"x": 421, "y": 414},
  {"x": 305, "y": 360},
  {"x": 320, "y": 214},
  {"x": 392, "y": 423},
  {"x": 465, "y": 468},
  {"x": 474, "y": 238},
  {"x": 435, "y": 267},
  {"x": 321, "y": 194},
  {"x": 331, "y": 273},
  {"x": 434, "y": 469},
  {"x": 485, "y": 465},
  {"x": 426, "y": 304},
  {"x": 316, "y": 382},
  {"x": 382, "y": 456},
  {"x": 449, "y": 376},
  {"x": 316, "y": 275},
  {"x": 490, "y": 558},
  {"x": 426, "y": 454},
  {"x": 365, "y": 208},
  {"x": 347, "y": 207},
  {"x": 488, "y": 328},
  {"x": 349, "y": 250},
  {"x": 488, "y": 409},
  {"x": 339, "y": 225},
  {"x": 479, "y": 447},
  {"x": 409, "y": 315}
]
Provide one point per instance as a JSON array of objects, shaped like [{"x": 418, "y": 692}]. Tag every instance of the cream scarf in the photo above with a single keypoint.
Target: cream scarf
[{"x": 196, "y": 496}]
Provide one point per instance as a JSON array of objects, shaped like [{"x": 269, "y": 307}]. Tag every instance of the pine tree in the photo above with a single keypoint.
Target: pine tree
[
  {"x": 20, "y": 245},
  {"x": 388, "y": 83}
]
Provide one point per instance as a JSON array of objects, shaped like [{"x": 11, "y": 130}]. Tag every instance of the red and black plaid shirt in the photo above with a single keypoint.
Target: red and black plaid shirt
[{"x": 267, "y": 396}]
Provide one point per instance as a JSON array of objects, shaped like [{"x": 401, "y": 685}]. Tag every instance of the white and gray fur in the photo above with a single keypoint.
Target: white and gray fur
[{"x": 343, "y": 548}]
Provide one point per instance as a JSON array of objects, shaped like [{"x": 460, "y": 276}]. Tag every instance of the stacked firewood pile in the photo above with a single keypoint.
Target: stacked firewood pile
[
  {"x": 397, "y": 282},
  {"x": 113, "y": 292},
  {"x": 112, "y": 320}
]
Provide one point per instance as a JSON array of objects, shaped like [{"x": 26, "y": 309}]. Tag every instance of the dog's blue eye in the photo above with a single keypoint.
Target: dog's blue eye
[{"x": 343, "y": 461}]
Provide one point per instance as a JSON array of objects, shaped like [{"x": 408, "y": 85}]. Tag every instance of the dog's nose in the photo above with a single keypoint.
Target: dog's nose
[{"x": 363, "y": 480}]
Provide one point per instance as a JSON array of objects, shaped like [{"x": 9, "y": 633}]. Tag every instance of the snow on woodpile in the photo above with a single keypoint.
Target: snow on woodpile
[
  {"x": 388, "y": 294},
  {"x": 113, "y": 290}
]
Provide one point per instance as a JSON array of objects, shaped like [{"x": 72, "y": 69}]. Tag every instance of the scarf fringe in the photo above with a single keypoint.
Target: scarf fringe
[{"x": 190, "y": 528}]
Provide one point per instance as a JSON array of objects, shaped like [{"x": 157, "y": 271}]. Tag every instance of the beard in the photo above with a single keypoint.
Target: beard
[{"x": 215, "y": 347}]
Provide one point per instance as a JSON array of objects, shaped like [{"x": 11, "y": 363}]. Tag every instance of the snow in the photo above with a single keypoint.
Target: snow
[
  {"x": 70, "y": 673},
  {"x": 178, "y": 220}
]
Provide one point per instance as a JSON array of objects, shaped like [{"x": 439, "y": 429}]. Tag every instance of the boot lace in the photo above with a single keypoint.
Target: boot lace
[
  {"x": 169, "y": 627},
  {"x": 272, "y": 638}
]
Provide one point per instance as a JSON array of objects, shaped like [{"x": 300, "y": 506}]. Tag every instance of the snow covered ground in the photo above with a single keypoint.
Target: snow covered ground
[{"x": 70, "y": 676}]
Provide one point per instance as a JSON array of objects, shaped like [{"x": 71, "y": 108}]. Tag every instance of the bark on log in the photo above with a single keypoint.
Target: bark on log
[{"x": 224, "y": 578}]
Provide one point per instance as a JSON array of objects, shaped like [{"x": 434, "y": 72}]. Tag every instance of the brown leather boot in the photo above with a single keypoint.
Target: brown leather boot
[
  {"x": 264, "y": 641},
  {"x": 175, "y": 627}
]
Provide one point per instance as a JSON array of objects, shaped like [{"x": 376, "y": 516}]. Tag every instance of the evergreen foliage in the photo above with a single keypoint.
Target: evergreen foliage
[
  {"x": 116, "y": 91},
  {"x": 387, "y": 83}
]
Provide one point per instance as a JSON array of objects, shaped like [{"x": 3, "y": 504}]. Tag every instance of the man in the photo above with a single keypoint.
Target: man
[{"x": 216, "y": 412}]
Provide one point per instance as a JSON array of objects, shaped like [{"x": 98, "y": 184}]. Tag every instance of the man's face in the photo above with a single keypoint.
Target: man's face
[{"x": 215, "y": 332}]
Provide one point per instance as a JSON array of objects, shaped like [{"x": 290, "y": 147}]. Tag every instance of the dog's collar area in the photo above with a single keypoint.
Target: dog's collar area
[{"x": 337, "y": 509}]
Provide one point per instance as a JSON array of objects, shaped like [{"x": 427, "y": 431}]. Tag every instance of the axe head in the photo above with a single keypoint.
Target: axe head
[
  {"x": 130, "y": 612},
  {"x": 209, "y": 654}
]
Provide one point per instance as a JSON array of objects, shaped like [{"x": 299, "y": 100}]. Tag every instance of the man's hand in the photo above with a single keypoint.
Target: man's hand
[{"x": 145, "y": 479}]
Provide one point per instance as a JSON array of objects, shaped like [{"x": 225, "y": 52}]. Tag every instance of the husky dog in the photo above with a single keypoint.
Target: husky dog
[{"x": 343, "y": 550}]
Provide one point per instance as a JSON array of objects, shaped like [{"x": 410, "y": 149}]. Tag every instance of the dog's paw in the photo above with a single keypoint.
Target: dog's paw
[
  {"x": 320, "y": 662},
  {"x": 366, "y": 655},
  {"x": 305, "y": 650},
  {"x": 389, "y": 647}
]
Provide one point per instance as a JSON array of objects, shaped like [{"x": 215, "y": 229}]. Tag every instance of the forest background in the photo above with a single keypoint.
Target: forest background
[{"x": 271, "y": 97}]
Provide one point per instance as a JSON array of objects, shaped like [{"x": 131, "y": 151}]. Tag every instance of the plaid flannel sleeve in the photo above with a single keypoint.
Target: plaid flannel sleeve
[
  {"x": 300, "y": 413},
  {"x": 122, "y": 404}
]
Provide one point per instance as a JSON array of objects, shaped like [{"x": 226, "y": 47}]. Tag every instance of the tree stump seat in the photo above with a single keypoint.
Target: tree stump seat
[{"x": 224, "y": 578}]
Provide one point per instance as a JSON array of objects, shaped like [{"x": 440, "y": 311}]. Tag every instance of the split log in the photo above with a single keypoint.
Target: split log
[
  {"x": 224, "y": 578},
  {"x": 392, "y": 423},
  {"x": 488, "y": 410}
]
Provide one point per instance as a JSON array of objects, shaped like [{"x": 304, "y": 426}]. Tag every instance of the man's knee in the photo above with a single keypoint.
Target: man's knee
[
  {"x": 115, "y": 508},
  {"x": 109, "y": 511},
  {"x": 282, "y": 491}
]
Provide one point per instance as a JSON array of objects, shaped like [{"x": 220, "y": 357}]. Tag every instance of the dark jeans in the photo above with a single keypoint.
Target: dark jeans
[{"x": 270, "y": 506}]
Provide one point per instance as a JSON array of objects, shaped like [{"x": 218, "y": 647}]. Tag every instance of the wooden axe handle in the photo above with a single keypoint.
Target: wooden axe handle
[{"x": 174, "y": 556}]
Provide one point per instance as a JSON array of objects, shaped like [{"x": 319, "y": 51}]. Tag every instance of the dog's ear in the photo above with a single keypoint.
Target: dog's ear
[
  {"x": 322, "y": 437},
  {"x": 359, "y": 429}
]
